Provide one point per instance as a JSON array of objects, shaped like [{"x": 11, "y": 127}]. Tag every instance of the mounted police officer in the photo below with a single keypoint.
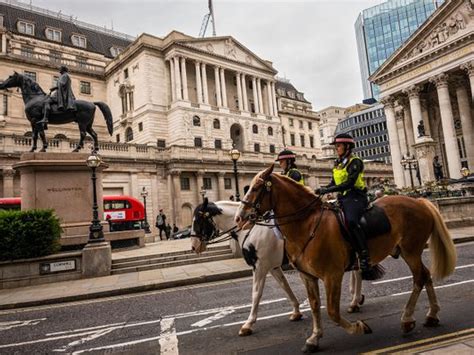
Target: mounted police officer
[
  {"x": 64, "y": 97},
  {"x": 287, "y": 158},
  {"x": 348, "y": 181}
]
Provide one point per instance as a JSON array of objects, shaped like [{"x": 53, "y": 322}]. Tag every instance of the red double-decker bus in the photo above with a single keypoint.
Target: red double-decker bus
[{"x": 122, "y": 212}]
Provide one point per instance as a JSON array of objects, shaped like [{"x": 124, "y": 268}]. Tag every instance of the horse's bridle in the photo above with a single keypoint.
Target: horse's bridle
[{"x": 206, "y": 217}]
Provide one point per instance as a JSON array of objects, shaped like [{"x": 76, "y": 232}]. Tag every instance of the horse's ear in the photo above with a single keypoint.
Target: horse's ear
[{"x": 266, "y": 173}]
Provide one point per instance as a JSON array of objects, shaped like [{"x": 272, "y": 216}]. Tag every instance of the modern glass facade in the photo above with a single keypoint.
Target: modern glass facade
[{"x": 382, "y": 29}]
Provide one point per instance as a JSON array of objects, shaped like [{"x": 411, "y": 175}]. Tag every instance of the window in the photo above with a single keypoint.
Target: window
[
  {"x": 53, "y": 35},
  {"x": 140, "y": 126},
  {"x": 79, "y": 41},
  {"x": 272, "y": 148},
  {"x": 126, "y": 95},
  {"x": 255, "y": 128},
  {"x": 310, "y": 125},
  {"x": 55, "y": 56},
  {"x": 270, "y": 131},
  {"x": 27, "y": 51},
  {"x": 31, "y": 75},
  {"x": 185, "y": 185},
  {"x": 85, "y": 87},
  {"x": 115, "y": 51},
  {"x": 198, "y": 142},
  {"x": 291, "y": 122},
  {"x": 218, "y": 144},
  {"x": 125, "y": 73},
  {"x": 128, "y": 134},
  {"x": 117, "y": 138},
  {"x": 311, "y": 141},
  {"x": 1, "y": 20},
  {"x": 292, "y": 139},
  {"x": 216, "y": 124},
  {"x": 26, "y": 27},
  {"x": 207, "y": 183},
  {"x": 197, "y": 121},
  {"x": 302, "y": 140},
  {"x": 81, "y": 62},
  {"x": 301, "y": 124},
  {"x": 5, "y": 105},
  {"x": 228, "y": 183},
  {"x": 256, "y": 147},
  {"x": 161, "y": 143}
]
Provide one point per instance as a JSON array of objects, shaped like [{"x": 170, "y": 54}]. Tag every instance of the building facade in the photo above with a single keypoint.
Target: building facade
[
  {"x": 426, "y": 87},
  {"x": 381, "y": 29}
]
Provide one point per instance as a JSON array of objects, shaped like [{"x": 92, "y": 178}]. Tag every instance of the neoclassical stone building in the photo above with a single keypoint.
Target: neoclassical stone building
[
  {"x": 430, "y": 80},
  {"x": 179, "y": 105}
]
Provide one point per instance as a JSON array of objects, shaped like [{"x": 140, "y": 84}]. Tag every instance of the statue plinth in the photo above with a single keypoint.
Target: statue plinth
[{"x": 425, "y": 152}]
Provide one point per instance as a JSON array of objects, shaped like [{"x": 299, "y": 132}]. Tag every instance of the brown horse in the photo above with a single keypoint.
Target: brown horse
[{"x": 317, "y": 249}]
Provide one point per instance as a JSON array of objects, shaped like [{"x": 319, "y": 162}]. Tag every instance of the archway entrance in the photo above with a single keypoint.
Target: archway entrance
[
  {"x": 236, "y": 134},
  {"x": 186, "y": 215}
]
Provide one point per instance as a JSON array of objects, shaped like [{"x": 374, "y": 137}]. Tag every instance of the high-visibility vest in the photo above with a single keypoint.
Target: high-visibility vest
[
  {"x": 300, "y": 181},
  {"x": 340, "y": 175}
]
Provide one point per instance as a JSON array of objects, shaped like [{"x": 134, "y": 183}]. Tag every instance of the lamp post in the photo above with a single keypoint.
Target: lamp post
[
  {"x": 235, "y": 155},
  {"x": 96, "y": 233},
  {"x": 465, "y": 172},
  {"x": 146, "y": 226},
  {"x": 409, "y": 163}
]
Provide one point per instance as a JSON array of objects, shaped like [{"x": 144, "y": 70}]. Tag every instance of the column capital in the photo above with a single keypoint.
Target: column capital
[
  {"x": 413, "y": 91},
  {"x": 221, "y": 173},
  {"x": 199, "y": 173},
  {"x": 440, "y": 80},
  {"x": 388, "y": 102},
  {"x": 468, "y": 67},
  {"x": 175, "y": 172},
  {"x": 7, "y": 172},
  {"x": 403, "y": 102}
]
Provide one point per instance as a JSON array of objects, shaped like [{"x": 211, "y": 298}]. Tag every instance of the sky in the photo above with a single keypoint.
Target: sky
[{"x": 311, "y": 43}]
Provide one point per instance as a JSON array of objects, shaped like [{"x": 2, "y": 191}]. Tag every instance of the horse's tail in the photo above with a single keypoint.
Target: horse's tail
[
  {"x": 105, "y": 109},
  {"x": 442, "y": 249}
]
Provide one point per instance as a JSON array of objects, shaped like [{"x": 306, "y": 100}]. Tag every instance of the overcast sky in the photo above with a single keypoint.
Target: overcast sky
[{"x": 310, "y": 42}]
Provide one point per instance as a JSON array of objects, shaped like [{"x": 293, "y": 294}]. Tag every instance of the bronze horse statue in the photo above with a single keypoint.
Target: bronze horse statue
[{"x": 34, "y": 98}]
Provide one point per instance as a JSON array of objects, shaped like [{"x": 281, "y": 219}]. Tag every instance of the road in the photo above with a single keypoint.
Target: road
[{"x": 205, "y": 319}]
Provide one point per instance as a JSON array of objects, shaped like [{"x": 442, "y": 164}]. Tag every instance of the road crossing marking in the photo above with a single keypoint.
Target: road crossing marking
[
  {"x": 168, "y": 338},
  {"x": 19, "y": 323},
  {"x": 213, "y": 318},
  {"x": 436, "y": 287}
]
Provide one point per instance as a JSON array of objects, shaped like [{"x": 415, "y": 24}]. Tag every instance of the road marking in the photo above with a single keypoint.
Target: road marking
[
  {"x": 19, "y": 323},
  {"x": 213, "y": 318},
  {"x": 168, "y": 338},
  {"x": 97, "y": 334},
  {"x": 436, "y": 287},
  {"x": 85, "y": 329},
  {"x": 409, "y": 277}
]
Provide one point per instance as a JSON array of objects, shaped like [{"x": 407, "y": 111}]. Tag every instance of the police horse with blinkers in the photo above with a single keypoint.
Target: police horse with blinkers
[{"x": 34, "y": 98}]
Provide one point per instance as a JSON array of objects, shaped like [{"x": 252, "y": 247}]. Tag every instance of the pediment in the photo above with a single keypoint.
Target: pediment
[
  {"x": 229, "y": 48},
  {"x": 453, "y": 20}
]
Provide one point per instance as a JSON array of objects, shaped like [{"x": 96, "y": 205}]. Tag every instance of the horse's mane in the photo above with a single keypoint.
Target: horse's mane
[{"x": 33, "y": 85}]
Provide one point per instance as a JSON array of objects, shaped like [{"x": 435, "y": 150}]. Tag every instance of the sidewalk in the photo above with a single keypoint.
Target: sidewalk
[{"x": 145, "y": 280}]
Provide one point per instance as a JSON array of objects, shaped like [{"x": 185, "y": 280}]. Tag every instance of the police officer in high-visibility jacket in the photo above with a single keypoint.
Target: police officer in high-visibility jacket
[
  {"x": 348, "y": 181},
  {"x": 287, "y": 158}
]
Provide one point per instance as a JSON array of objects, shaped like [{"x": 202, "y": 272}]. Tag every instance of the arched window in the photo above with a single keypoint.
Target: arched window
[
  {"x": 60, "y": 136},
  {"x": 128, "y": 134},
  {"x": 197, "y": 121},
  {"x": 270, "y": 131},
  {"x": 216, "y": 123},
  {"x": 255, "y": 128},
  {"x": 28, "y": 134}
]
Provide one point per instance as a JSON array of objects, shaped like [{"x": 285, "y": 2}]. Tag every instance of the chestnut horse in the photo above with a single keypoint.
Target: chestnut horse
[{"x": 318, "y": 250}]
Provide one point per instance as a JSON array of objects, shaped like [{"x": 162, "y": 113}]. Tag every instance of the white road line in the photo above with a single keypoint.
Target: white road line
[
  {"x": 168, "y": 338},
  {"x": 85, "y": 329},
  {"x": 19, "y": 323},
  {"x": 213, "y": 318},
  {"x": 436, "y": 287},
  {"x": 95, "y": 335},
  {"x": 409, "y": 277}
]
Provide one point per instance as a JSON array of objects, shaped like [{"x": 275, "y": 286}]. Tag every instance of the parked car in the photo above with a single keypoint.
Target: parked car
[{"x": 181, "y": 234}]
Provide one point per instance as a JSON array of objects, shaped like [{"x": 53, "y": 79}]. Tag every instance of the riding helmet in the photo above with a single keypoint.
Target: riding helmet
[{"x": 286, "y": 154}]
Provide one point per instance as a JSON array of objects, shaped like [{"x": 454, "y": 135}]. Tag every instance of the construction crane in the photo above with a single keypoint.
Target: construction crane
[{"x": 205, "y": 21}]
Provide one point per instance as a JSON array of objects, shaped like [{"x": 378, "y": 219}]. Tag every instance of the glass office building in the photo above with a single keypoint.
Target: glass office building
[{"x": 381, "y": 29}]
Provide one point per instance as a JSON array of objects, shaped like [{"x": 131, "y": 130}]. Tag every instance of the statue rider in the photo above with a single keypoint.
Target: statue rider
[
  {"x": 348, "y": 181},
  {"x": 287, "y": 158},
  {"x": 64, "y": 97}
]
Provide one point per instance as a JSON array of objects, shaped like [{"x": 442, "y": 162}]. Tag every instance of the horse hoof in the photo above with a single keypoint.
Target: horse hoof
[
  {"x": 407, "y": 327},
  {"x": 353, "y": 309},
  {"x": 431, "y": 322},
  {"x": 309, "y": 348},
  {"x": 296, "y": 316},
  {"x": 362, "y": 300},
  {"x": 243, "y": 332},
  {"x": 43, "y": 150}
]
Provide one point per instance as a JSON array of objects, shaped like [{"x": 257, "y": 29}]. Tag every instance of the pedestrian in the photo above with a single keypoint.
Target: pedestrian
[
  {"x": 348, "y": 181},
  {"x": 168, "y": 231},
  {"x": 161, "y": 223},
  {"x": 287, "y": 160},
  {"x": 438, "y": 168},
  {"x": 175, "y": 228}
]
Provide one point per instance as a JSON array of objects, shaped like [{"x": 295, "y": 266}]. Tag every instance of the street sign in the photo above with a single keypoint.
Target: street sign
[{"x": 57, "y": 266}]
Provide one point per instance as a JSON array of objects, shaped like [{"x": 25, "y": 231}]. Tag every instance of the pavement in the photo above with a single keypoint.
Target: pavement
[{"x": 113, "y": 285}]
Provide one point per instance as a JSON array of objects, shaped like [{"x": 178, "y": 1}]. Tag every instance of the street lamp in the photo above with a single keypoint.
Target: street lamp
[
  {"x": 465, "y": 172},
  {"x": 410, "y": 163},
  {"x": 146, "y": 226},
  {"x": 235, "y": 155},
  {"x": 203, "y": 192},
  {"x": 96, "y": 233}
]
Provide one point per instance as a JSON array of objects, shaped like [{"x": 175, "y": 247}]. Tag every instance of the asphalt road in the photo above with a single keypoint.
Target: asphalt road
[{"x": 205, "y": 319}]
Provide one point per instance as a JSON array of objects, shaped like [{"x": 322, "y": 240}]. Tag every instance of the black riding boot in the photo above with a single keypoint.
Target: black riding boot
[
  {"x": 368, "y": 273},
  {"x": 47, "y": 109}
]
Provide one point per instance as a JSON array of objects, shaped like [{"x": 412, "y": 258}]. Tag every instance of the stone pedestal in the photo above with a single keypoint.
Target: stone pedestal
[
  {"x": 96, "y": 259},
  {"x": 61, "y": 181},
  {"x": 425, "y": 152}
]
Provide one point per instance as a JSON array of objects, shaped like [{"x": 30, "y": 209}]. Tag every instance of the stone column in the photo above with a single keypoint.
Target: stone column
[
  {"x": 218, "y": 86},
  {"x": 173, "y": 84},
  {"x": 469, "y": 68},
  {"x": 270, "y": 99},
  {"x": 177, "y": 78},
  {"x": 466, "y": 121},
  {"x": 239, "y": 91},
  {"x": 255, "y": 94},
  {"x": 171, "y": 205},
  {"x": 185, "y": 79},
  {"x": 199, "y": 183},
  {"x": 413, "y": 93},
  {"x": 223, "y": 88},
  {"x": 244, "y": 93},
  {"x": 398, "y": 173},
  {"x": 198, "y": 82},
  {"x": 4, "y": 43},
  {"x": 8, "y": 178},
  {"x": 426, "y": 116},
  {"x": 204, "y": 83},
  {"x": 447, "y": 122},
  {"x": 176, "y": 198},
  {"x": 220, "y": 186},
  {"x": 408, "y": 126},
  {"x": 275, "y": 104},
  {"x": 399, "y": 115},
  {"x": 260, "y": 96}
]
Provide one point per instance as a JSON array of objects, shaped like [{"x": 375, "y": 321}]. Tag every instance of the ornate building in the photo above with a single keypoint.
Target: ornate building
[
  {"x": 426, "y": 87},
  {"x": 179, "y": 105}
]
